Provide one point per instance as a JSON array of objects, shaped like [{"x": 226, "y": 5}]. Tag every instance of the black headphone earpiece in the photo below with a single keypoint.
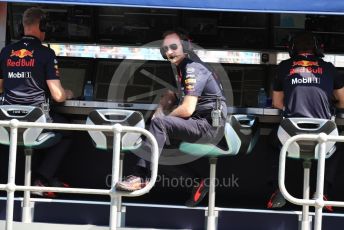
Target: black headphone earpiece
[
  {"x": 187, "y": 47},
  {"x": 20, "y": 28},
  {"x": 185, "y": 40},
  {"x": 163, "y": 53},
  {"x": 43, "y": 24},
  {"x": 291, "y": 46},
  {"x": 318, "y": 50}
]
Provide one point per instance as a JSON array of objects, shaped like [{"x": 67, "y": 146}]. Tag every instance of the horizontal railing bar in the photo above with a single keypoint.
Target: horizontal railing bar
[
  {"x": 64, "y": 126},
  {"x": 62, "y": 190},
  {"x": 315, "y": 137}
]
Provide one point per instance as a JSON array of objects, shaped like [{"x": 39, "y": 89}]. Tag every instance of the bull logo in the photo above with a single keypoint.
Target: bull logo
[
  {"x": 21, "y": 53},
  {"x": 305, "y": 63}
]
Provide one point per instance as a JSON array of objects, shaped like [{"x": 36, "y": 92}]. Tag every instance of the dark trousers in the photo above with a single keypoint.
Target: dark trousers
[
  {"x": 331, "y": 163},
  {"x": 175, "y": 129},
  {"x": 50, "y": 159}
]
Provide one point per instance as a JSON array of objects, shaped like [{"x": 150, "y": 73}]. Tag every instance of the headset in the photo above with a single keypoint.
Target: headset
[
  {"x": 42, "y": 25},
  {"x": 184, "y": 40},
  {"x": 318, "y": 50}
]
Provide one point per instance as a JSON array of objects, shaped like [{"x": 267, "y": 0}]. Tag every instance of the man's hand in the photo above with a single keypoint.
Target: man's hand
[
  {"x": 186, "y": 108},
  {"x": 69, "y": 94},
  {"x": 167, "y": 101},
  {"x": 58, "y": 93},
  {"x": 166, "y": 104}
]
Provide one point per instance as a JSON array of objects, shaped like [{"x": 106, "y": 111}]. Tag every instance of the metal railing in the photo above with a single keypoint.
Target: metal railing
[
  {"x": 115, "y": 196},
  {"x": 318, "y": 202}
]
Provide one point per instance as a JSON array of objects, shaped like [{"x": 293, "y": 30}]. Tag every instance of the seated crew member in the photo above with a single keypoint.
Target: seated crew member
[
  {"x": 29, "y": 76},
  {"x": 305, "y": 86},
  {"x": 190, "y": 121}
]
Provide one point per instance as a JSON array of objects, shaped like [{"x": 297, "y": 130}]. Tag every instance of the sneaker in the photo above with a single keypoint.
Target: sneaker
[
  {"x": 53, "y": 183},
  {"x": 198, "y": 194},
  {"x": 40, "y": 183},
  {"x": 131, "y": 183},
  {"x": 276, "y": 200}
]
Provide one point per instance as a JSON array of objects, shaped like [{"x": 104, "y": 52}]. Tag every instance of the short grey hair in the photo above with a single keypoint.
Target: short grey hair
[{"x": 33, "y": 16}]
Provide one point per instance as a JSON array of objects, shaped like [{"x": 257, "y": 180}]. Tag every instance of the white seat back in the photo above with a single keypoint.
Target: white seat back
[
  {"x": 27, "y": 136},
  {"x": 104, "y": 140},
  {"x": 306, "y": 149}
]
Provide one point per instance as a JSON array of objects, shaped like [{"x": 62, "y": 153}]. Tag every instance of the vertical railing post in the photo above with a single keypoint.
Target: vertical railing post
[
  {"x": 212, "y": 216},
  {"x": 27, "y": 213},
  {"x": 11, "y": 174},
  {"x": 305, "y": 223},
  {"x": 117, "y": 129},
  {"x": 120, "y": 210},
  {"x": 319, "y": 192}
]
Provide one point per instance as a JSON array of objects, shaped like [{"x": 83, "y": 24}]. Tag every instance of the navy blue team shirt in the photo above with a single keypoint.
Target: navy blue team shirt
[
  {"x": 25, "y": 66},
  {"x": 198, "y": 80},
  {"x": 308, "y": 83}
]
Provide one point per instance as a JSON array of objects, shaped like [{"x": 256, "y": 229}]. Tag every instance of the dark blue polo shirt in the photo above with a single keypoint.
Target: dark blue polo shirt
[
  {"x": 25, "y": 66},
  {"x": 308, "y": 83},
  {"x": 198, "y": 80}
]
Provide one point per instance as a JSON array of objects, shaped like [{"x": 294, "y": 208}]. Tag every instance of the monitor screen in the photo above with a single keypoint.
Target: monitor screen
[
  {"x": 133, "y": 81},
  {"x": 74, "y": 73}
]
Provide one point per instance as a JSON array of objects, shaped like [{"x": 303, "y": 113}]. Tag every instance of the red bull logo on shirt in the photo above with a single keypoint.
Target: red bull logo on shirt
[
  {"x": 305, "y": 66},
  {"x": 305, "y": 63},
  {"x": 21, "y": 53},
  {"x": 21, "y": 62},
  {"x": 298, "y": 70}
]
